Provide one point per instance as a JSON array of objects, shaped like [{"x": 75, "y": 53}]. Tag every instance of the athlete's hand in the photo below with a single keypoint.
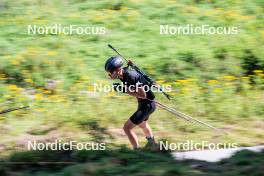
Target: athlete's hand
[
  {"x": 130, "y": 62},
  {"x": 138, "y": 94}
]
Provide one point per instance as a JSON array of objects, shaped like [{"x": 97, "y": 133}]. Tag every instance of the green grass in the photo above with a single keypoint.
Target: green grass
[
  {"x": 215, "y": 78},
  {"x": 123, "y": 161}
]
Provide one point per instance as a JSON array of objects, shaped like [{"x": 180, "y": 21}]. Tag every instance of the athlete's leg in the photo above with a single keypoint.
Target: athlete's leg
[
  {"x": 151, "y": 144},
  {"x": 150, "y": 108},
  {"x": 146, "y": 129},
  {"x": 128, "y": 126}
]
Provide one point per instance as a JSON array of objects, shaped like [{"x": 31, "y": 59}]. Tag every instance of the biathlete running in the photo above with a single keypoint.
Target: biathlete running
[{"x": 131, "y": 78}]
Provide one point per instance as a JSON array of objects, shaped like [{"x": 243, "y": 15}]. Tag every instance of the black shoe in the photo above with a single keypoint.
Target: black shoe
[{"x": 151, "y": 145}]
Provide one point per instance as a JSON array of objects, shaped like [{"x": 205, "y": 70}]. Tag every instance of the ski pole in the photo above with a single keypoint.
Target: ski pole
[
  {"x": 186, "y": 117},
  {"x": 13, "y": 109}
]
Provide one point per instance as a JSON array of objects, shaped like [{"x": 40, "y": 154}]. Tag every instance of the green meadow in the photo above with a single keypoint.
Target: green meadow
[{"x": 215, "y": 78}]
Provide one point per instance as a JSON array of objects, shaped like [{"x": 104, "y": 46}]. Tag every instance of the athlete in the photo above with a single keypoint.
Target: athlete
[{"x": 134, "y": 85}]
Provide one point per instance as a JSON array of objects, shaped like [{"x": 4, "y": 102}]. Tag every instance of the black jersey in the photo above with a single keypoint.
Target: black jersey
[{"x": 132, "y": 77}]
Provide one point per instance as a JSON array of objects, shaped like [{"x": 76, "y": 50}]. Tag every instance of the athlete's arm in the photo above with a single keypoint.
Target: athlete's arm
[{"x": 139, "y": 94}]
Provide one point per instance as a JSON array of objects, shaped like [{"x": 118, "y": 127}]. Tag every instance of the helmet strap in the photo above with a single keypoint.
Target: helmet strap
[{"x": 120, "y": 73}]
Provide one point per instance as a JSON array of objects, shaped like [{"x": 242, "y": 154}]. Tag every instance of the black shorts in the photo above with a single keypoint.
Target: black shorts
[{"x": 143, "y": 112}]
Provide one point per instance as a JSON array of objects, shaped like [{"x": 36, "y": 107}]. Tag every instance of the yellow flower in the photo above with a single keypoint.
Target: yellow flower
[
  {"x": 217, "y": 90},
  {"x": 90, "y": 88},
  {"x": 245, "y": 78},
  {"x": 212, "y": 82},
  {"x": 111, "y": 94},
  {"x": 15, "y": 62},
  {"x": 19, "y": 58},
  {"x": 85, "y": 78},
  {"x": 182, "y": 81},
  {"x": 48, "y": 62},
  {"x": 22, "y": 98},
  {"x": 123, "y": 9},
  {"x": 191, "y": 9},
  {"x": 40, "y": 89},
  {"x": 52, "y": 53},
  {"x": 40, "y": 109},
  {"x": 160, "y": 82},
  {"x": 2, "y": 77},
  {"x": 46, "y": 91},
  {"x": 229, "y": 78},
  {"x": 38, "y": 96},
  {"x": 25, "y": 72},
  {"x": 173, "y": 93},
  {"x": 12, "y": 87},
  {"x": 2, "y": 118},
  {"x": 209, "y": 12},
  {"x": 258, "y": 72},
  {"x": 185, "y": 90},
  {"x": 29, "y": 81}
]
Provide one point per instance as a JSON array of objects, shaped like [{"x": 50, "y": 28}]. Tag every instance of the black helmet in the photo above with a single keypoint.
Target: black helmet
[{"x": 113, "y": 63}]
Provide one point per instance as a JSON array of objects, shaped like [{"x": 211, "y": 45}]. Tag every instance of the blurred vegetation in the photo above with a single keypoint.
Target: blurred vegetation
[
  {"x": 123, "y": 161},
  {"x": 216, "y": 78}
]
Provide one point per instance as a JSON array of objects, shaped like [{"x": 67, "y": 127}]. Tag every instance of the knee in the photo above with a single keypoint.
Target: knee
[
  {"x": 143, "y": 125},
  {"x": 126, "y": 129}
]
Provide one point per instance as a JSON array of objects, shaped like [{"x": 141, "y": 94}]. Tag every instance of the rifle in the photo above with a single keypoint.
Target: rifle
[{"x": 147, "y": 77}]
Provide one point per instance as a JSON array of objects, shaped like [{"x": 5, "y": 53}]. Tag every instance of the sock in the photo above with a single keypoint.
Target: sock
[{"x": 150, "y": 139}]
